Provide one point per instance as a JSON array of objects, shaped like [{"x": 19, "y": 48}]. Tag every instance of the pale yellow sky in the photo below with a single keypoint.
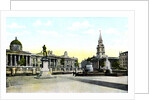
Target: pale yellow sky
[{"x": 82, "y": 54}]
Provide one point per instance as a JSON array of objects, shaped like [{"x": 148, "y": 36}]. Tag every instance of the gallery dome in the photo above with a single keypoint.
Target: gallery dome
[{"x": 16, "y": 45}]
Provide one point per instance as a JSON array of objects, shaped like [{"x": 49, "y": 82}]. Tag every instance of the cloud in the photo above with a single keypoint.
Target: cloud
[
  {"x": 116, "y": 32},
  {"x": 71, "y": 35},
  {"x": 15, "y": 25},
  {"x": 108, "y": 32},
  {"x": 39, "y": 23},
  {"x": 112, "y": 31},
  {"x": 79, "y": 25},
  {"x": 91, "y": 32},
  {"x": 49, "y": 23},
  {"x": 18, "y": 33},
  {"x": 45, "y": 32}
]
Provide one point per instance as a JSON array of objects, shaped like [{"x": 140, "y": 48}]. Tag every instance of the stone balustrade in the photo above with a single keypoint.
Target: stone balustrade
[{"x": 30, "y": 70}]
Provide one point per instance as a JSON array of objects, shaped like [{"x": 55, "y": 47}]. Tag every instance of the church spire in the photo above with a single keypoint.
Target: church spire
[
  {"x": 100, "y": 47},
  {"x": 100, "y": 37}
]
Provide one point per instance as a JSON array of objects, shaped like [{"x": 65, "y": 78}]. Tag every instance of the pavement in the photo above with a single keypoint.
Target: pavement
[{"x": 67, "y": 83}]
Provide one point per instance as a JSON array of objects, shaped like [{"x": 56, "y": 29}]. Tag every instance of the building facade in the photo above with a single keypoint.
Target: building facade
[
  {"x": 21, "y": 61},
  {"x": 123, "y": 59}
]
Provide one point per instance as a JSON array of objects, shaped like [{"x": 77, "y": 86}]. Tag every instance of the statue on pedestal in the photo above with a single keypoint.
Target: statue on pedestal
[
  {"x": 45, "y": 72},
  {"x": 44, "y": 51}
]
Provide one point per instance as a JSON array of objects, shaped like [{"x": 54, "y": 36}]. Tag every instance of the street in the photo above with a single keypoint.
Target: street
[{"x": 67, "y": 83}]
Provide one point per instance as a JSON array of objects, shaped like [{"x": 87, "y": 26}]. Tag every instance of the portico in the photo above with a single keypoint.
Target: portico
[{"x": 12, "y": 59}]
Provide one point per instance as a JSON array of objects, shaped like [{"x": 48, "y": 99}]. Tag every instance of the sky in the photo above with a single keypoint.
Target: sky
[{"x": 76, "y": 35}]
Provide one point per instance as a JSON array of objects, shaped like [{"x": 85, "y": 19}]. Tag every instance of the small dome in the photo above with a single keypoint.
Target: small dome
[
  {"x": 15, "y": 42},
  {"x": 65, "y": 54},
  {"x": 16, "y": 45}
]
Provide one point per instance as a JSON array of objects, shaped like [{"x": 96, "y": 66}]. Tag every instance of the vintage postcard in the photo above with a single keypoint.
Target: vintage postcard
[{"x": 68, "y": 52}]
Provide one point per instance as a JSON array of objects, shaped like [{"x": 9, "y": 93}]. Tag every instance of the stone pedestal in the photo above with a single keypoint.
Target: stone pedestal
[
  {"x": 13, "y": 71},
  {"x": 33, "y": 71},
  {"x": 45, "y": 72}
]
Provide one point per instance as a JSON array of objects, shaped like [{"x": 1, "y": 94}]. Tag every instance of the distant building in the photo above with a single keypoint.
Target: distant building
[
  {"x": 16, "y": 53},
  {"x": 123, "y": 59}
]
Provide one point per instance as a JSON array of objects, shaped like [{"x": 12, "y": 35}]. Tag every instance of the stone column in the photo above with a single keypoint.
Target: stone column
[
  {"x": 30, "y": 61},
  {"x": 11, "y": 60},
  {"x": 26, "y": 60},
  {"x": 18, "y": 58},
  {"x": 6, "y": 59},
  {"x": 15, "y": 60},
  {"x": 35, "y": 62}
]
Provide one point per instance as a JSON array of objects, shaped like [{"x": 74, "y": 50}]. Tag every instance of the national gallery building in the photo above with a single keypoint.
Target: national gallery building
[{"x": 23, "y": 61}]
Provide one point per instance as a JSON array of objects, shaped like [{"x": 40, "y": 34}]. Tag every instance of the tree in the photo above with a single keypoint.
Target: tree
[
  {"x": 22, "y": 62},
  {"x": 77, "y": 63},
  {"x": 116, "y": 64}
]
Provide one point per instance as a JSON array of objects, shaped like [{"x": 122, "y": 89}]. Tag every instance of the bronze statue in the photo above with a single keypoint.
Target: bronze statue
[{"x": 44, "y": 51}]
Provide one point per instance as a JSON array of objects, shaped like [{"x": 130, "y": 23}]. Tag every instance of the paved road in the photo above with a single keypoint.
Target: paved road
[{"x": 69, "y": 84}]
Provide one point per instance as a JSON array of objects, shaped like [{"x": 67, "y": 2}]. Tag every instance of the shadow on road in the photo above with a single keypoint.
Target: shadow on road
[{"x": 102, "y": 83}]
